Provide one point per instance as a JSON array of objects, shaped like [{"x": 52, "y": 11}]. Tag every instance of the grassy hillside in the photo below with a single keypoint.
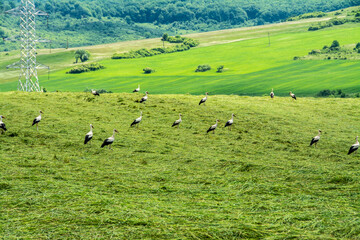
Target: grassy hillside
[
  {"x": 253, "y": 66},
  {"x": 260, "y": 180}
]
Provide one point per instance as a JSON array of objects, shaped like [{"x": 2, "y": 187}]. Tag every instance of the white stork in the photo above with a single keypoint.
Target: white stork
[
  {"x": 230, "y": 122},
  {"x": 144, "y": 98},
  {"x": 213, "y": 127},
  {"x": 109, "y": 140},
  {"x": 272, "y": 93},
  {"x": 177, "y": 122},
  {"x": 354, "y": 147},
  {"x": 137, "y": 121},
  {"x": 137, "y": 89},
  {"x": 292, "y": 95},
  {"x": 37, "y": 120},
  {"x": 95, "y": 93},
  {"x": 89, "y": 135},
  {"x": 315, "y": 139},
  {"x": 203, "y": 100},
  {"x": 2, "y": 125}
]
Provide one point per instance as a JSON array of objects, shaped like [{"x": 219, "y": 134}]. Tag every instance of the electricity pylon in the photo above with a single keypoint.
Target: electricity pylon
[{"x": 27, "y": 63}]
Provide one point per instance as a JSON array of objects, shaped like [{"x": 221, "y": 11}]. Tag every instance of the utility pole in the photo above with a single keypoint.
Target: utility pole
[{"x": 27, "y": 63}]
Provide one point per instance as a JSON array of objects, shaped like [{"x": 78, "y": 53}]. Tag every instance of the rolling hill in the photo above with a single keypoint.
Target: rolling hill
[{"x": 253, "y": 66}]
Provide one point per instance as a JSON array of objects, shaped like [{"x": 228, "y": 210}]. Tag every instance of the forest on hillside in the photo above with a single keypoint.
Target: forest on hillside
[{"x": 88, "y": 22}]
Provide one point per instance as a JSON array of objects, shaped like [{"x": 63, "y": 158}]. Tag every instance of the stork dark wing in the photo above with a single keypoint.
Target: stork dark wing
[
  {"x": 87, "y": 139},
  {"x": 228, "y": 123},
  {"x": 106, "y": 142},
  {"x": 353, "y": 149},
  {"x": 35, "y": 122},
  {"x": 314, "y": 140},
  {"x": 2, "y": 126}
]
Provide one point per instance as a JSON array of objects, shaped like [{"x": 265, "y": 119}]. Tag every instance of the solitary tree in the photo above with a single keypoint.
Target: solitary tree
[
  {"x": 164, "y": 38},
  {"x": 335, "y": 45},
  {"x": 82, "y": 54}
]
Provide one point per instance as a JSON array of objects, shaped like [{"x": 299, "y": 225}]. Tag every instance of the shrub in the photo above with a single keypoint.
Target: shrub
[
  {"x": 315, "y": 52},
  {"x": 148, "y": 70},
  {"x": 186, "y": 44},
  {"x": 220, "y": 69},
  {"x": 203, "y": 68},
  {"x": 335, "y": 45},
  {"x": 325, "y": 93},
  {"x": 86, "y": 68}
]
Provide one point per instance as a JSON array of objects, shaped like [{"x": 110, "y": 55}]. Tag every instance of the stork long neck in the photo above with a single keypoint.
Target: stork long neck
[
  {"x": 357, "y": 141},
  {"x": 319, "y": 133},
  {"x": 180, "y": 117},
  {"x": 0, "y": 118},
  {"x": 113, "y": 136},
  {"x": 91, "y": 129},
  {"x": 232, "y": 117}
]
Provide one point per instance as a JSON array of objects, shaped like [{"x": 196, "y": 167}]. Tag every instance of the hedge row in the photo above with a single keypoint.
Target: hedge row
[
  {"x": 186, "y": 44},
  {"x": 86, "y": 68}
]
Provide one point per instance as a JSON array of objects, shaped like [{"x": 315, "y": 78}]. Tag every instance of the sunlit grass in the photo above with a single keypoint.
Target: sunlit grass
[{"x": 260, "y": 180}]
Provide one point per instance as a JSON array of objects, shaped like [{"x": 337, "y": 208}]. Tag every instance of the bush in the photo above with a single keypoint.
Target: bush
[
  {"x": 203, "y": 68},
  {"x": 220, "y": 69},
  {"x": 86, "y": 68},
  {"x": 186, "y": 44},
  {"x": 148, "y": 70},
  {"x": 315, "y": 52},
  {"x": 325, "y": 93},
  {"x": 335, "y": 45}
]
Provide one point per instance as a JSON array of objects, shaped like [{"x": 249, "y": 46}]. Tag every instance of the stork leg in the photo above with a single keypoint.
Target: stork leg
[
  {"x": 37, "y": 127},
  {"x": 214, "y": 132}
]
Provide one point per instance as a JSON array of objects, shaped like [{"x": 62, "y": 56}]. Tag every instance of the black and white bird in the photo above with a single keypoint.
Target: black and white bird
[
  {"x": 315, "y": 139},
  {"x": 89, "y": 135},
  {"x": 95, "y": 93},
  {"x": 213, "y": 127},
  {"x": 137, "y": 89},
  {"x": 109, "y": 140},
  {"x": 2, "y": 125},
  {"x": 230, "y": 122},
  {"x": 177, "y": 122},
  {"x": 272, "y": 93},
  {"x": 37, "y": 120},
  {"x": 354, "y": 147},
  {"x": 203, "y": 100},
  {"x": 144, "y": 98},
  {"x": 292, "y": 95},
  {"x": 137, "y": 121}
]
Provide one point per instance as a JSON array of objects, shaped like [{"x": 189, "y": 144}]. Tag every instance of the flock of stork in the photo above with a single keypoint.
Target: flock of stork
[{"x": 110, "y": 140}]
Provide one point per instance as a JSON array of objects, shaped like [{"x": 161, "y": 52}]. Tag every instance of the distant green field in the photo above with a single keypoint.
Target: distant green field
[
  {"x": 253, "y": 66},
  {"x": 258, "y": 181}
]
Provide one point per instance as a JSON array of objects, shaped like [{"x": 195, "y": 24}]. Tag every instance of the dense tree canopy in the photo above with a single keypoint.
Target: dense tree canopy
[{"x": 87, "y": 22}]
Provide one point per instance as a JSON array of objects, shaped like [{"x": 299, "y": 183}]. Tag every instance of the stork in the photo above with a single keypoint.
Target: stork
[
  {"x": 315, "y": 139},
  {"x": 203, "y": 100},
  {"x": 272, "y": 93},
  {"x": 213, "y": 127},
  {"x": 292, "y": 95},
  {"x": 137, "y": 121},
  {"x": 95, "y": 93},
  {"x": 89, "y": 135},
  {"x": 2, "y": 125},
  {"x": 177, "y": 122},
  {"x": 230, "y": 122},
  {"x": 37, "y": 120},
  {"x": 137, "y": 89},
  {"x": 109, "y": 140},
  {"x": 144, "y": 98},
  {"x": 354, "y": 147}
]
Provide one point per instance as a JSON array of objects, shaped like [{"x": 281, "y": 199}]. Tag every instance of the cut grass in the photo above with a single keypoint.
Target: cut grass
[{"x": 260, "y": 180}]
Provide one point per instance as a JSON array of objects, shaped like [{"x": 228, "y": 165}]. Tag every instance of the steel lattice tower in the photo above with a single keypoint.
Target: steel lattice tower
[{"x": 27, "y": 63}]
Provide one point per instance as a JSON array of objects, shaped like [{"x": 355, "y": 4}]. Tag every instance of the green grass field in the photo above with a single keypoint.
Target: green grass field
[
  {"x": 258, "y": 181},
  {"x": 253, "y": 66}
]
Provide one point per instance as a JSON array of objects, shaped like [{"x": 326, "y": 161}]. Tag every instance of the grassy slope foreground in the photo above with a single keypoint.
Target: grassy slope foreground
[{"x": 260, "y": 180}]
